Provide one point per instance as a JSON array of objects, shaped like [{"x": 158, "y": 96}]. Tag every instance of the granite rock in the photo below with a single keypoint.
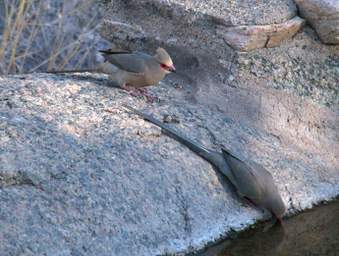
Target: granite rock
[
  {"x": 81, "y": 176},
  {"x": 323, "y": 15},
  {"x": 190, "y": 23},
  {"x": 247, "y": 38}
]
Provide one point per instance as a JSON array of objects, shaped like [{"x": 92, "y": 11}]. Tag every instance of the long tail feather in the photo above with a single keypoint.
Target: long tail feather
[
  {"x": 111, "y": 51},
  {"x": 72, "y": 71},
  {"x": 194, "y": 146}
]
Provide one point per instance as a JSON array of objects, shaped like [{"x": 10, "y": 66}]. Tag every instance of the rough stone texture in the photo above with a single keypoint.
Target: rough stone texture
[
  {"x": 232, "y": 12},
  {"x": 301, "y": 64},
  {"x": 2, "y": 14},
  {"x": 247, "y": 38},
  {"x": 323, "y": 15},
  {"x": 190, "y": 23},
  {"x": 80, "y": 176}
]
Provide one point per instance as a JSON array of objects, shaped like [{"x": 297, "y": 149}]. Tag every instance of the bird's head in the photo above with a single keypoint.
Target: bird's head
[
  {"x": 277, "y": 207},
  {"x": 164, "y": 60}
]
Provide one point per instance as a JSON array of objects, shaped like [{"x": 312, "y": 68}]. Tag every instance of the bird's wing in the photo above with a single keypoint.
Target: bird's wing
[
  {"x": 134, "y": 62},
  {"x": 247, "y": 180}
]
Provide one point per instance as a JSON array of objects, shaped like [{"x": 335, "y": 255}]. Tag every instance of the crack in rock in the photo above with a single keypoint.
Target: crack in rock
[{"x": 18, "y": 179}]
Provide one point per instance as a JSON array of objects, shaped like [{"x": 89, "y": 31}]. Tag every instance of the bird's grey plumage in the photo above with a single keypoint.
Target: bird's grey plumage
[
  {"x": 132, "y": 69},
  {"x": 251, "y": 180},
  {"x": 196, "y": 147},
  {"x": 134, "y": 62}
]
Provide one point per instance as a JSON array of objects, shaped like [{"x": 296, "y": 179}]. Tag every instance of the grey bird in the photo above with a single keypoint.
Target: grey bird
[
  {"x": 251, "y": 180},
  {"x": 129, "y": 70}
]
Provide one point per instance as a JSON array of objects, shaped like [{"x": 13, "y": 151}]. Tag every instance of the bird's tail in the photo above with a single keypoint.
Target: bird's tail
[
  {"x": 112, "y": 51},
  {"x": 194, "y": 146},
  {"x": 91, "y": 70}
]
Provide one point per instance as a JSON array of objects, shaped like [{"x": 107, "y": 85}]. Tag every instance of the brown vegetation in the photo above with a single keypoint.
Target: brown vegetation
[{"x": 36, "y": 35}]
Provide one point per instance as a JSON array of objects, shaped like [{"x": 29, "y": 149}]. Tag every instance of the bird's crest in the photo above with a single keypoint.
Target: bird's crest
[{"x": 163, "y": 57}]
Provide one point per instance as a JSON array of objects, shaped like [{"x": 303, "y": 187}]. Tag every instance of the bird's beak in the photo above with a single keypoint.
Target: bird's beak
[{"x": 172, "y": 69}]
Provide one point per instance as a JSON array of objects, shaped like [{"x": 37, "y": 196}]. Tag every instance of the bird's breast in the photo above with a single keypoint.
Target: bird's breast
[
  {"x": 151, "y": 76},
  {"x": 154, "y": 76},
  {"x": 136, "y": 80}
]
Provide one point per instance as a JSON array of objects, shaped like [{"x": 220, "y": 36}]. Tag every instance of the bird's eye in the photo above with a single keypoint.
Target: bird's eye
[{"x": 164, "y": 66}]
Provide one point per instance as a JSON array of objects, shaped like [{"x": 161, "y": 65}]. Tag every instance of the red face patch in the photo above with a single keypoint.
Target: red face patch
[{"x": 164, "y": 66}]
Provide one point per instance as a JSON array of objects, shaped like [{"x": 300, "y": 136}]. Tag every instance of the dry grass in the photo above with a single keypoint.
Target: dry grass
[{"x": 38, "y": 35}]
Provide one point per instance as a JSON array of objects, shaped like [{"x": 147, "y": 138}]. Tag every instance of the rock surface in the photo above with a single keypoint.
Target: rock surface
[
  {"x": 247, "y": 38},
  {"x": 323, "y": 15},
  {"x": 192, "y": 23},
  {"x": 81, "y": 176},
  {"x": 247, "y": 12},
  {"x": 302, "y": 64},
  {"x": 233, "y": 12}
]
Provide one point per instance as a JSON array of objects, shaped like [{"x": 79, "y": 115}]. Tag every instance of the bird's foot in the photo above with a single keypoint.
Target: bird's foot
[
  {"x": 131, "y": 90},
  {"x": 127, "y": 88},
  {"x": 140, "y": 92},
  {"x": 150, "y": 98}
]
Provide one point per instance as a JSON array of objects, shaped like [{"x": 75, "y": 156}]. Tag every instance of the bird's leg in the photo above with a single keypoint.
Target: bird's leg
[
  {"x": 131, "y": 90},
  {"x": 139, "y": 92},
  {"x": 144, "y": 92},
  {"x": 126, "y": 87}
]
